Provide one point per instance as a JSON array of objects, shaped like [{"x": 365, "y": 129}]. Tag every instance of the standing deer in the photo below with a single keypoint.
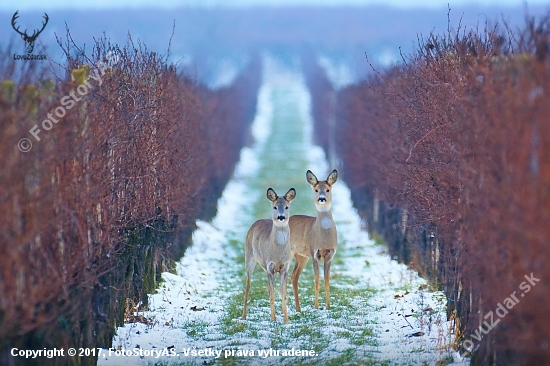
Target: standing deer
[
  {"x": 268, "y": 243},
  {"x": 315, "y": 237},
  {"x": 29, "y": 40}
]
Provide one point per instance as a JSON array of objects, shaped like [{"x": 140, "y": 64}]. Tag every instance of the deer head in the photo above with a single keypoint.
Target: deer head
[{"x": 29, "y": 40}]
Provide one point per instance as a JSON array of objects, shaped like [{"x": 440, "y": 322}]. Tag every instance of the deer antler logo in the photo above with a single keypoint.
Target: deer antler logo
[{"x": 29, "y": 40}]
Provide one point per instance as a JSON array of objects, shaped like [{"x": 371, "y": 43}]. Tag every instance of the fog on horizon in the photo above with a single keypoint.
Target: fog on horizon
[{"x": 215, "y": 42}]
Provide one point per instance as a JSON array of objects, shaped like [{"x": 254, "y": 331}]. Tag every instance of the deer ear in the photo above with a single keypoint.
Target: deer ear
[
  {"x": 290, "y": 195},
  {"x": 311, "y": 178},
  {"x": 271, "y": 195},
  {"x": 332, "y": 177}
]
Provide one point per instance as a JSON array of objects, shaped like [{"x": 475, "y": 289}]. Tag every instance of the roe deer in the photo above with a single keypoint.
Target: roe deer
[
  {"x": 268, "y": 243},
  {"x": 315, "y": 237}
]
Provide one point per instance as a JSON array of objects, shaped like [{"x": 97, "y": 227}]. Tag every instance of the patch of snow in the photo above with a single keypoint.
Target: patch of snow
[{"x": 261, "y": 127}]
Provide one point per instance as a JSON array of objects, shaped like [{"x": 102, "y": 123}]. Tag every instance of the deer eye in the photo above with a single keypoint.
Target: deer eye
[
  {"x": 274, "y": 208},
  {"x": 286, "y": 208},
  {"x": 328, "y": 190},
  {"x": 317, "y": 190}
]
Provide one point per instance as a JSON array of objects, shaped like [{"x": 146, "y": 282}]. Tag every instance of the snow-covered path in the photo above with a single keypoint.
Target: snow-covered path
[{"x": 381, "y": 313}]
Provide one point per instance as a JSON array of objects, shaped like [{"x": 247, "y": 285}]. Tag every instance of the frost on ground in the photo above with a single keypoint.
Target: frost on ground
[{"x": 381, "y": 312}]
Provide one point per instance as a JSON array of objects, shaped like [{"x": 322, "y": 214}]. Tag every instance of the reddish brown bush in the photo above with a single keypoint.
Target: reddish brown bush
[
  {"x": 87, "y": 215},
  {"x": 448, "y": 156}
]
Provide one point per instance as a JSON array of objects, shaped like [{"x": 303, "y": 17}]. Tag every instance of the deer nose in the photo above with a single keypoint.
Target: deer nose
[
  {"x": 322, "y": 199},
  {"x": 281, "y": 218}
]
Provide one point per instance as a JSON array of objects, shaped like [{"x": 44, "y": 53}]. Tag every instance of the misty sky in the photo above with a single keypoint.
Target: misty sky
[{"x": 52, "y": 4}]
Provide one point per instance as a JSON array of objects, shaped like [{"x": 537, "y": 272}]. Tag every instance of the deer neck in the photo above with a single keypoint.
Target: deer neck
[
  {"x": 324, "y": 220},
  {"x": 280, "y": 234}
]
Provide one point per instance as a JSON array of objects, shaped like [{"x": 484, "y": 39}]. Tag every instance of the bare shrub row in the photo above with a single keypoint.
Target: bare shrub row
[
  {"x": 448, "y": 157},
  {"x": 95, "y": 211}
]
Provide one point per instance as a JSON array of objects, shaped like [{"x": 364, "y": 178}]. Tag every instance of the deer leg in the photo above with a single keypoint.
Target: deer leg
[
  {"x": 246, "y": 289},
  {"x": 250, "y": 264},
  {"x": 327, "y": 280},
  {"x": 270, "y": 288},
  {"x": 298, "y": 268},
  {"x": 284, "y": 276},
  {"x": 315, "y": 258}
]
